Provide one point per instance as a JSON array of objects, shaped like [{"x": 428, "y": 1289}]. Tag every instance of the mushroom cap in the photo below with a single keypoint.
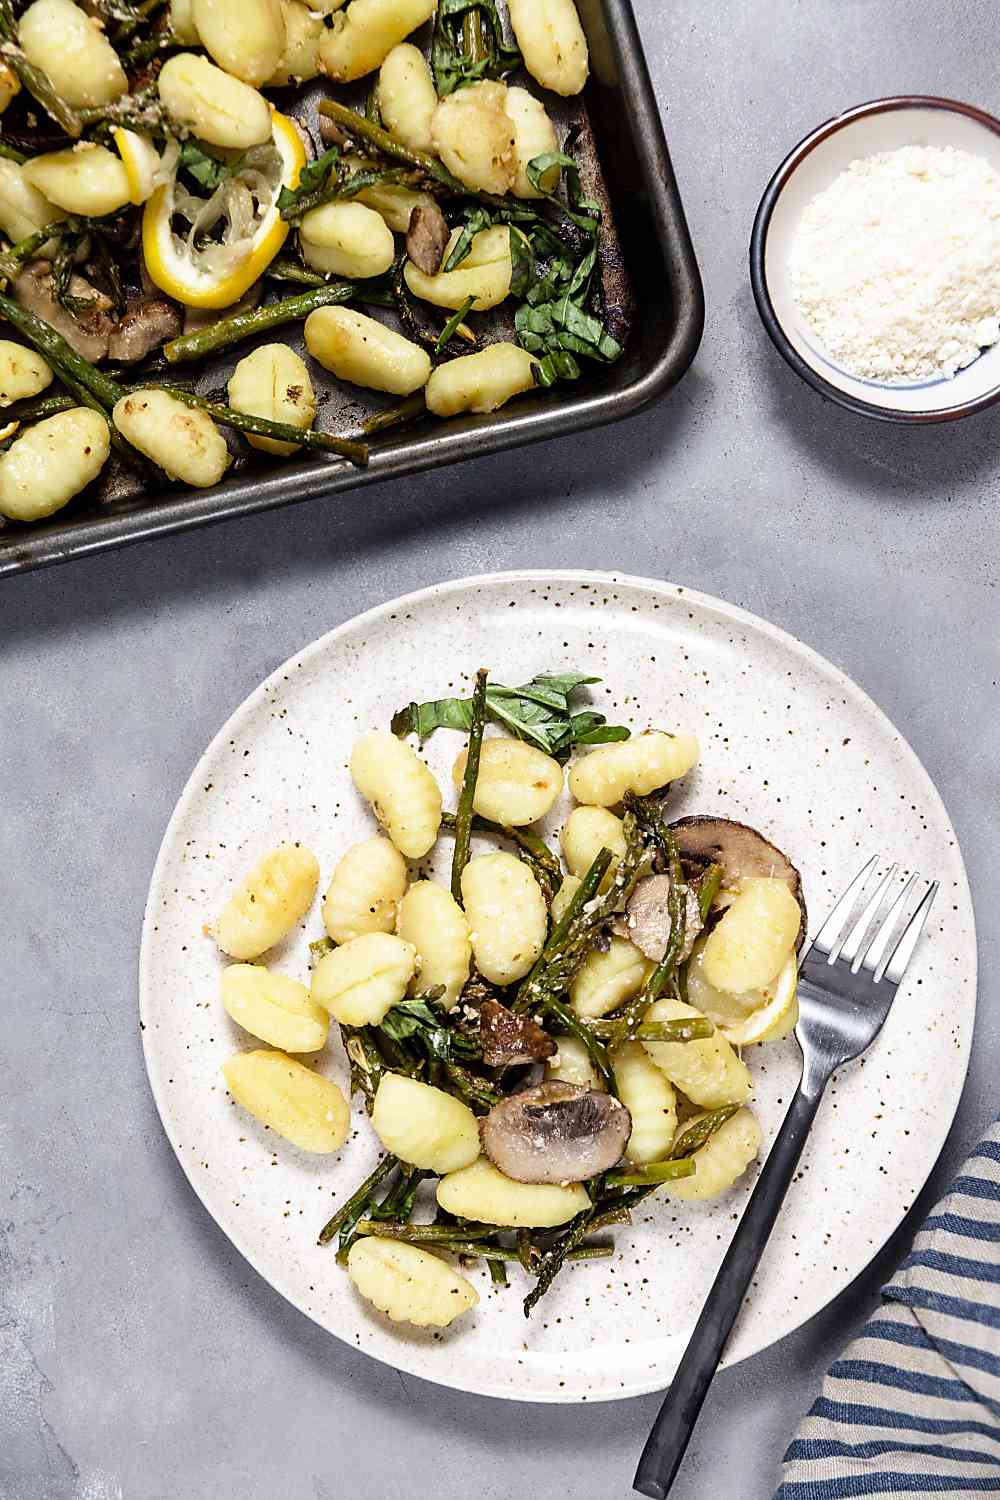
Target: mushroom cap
[
  {"x": 742, "y": 852},
  {"x": 646, "y": 919},
  {"x": 555, "y": 1133},
  {"x": 508, "y": 1038}
]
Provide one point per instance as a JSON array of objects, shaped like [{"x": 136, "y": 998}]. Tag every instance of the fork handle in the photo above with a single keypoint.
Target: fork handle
[{"x": 671, "y": 1433}]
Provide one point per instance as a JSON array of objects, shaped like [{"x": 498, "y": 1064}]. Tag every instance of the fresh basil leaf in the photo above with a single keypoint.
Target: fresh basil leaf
[
  {"x": 452, "y": 61},
  {"x": 313, "y": 175},
  {"x": 206, "y": 170},
  {"x": 422, "y": 719},
  {"x": 539, "y": 711},
  {"x": 475, "y": 221},
  {"x": 457, "y": 317}
]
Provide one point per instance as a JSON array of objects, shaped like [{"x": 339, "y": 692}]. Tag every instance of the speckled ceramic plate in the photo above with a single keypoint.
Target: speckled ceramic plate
[{"x": 788, "y": 743}]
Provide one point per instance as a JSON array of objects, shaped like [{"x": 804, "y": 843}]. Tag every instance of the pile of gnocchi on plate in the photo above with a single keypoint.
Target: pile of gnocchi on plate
[
  {"x": 181, "y": 196},
  {"x": 545, "y": 1040}
]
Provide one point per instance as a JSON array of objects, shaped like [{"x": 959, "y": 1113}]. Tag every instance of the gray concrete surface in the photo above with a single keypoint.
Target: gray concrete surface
[{"x": 140, "y": 1358}]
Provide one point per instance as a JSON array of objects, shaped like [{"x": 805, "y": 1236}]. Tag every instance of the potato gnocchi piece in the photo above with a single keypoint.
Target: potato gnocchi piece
[
  {"x": 266, "y": 905},
  {"x": 273, "y": 1007},
  {"x": 212, "y": 104},
  {"x": 552, "y": 43},
  {"x": 473, "y": 135},
  {"x": 507, "y": 913},
  {"x": 723, "y": 1159},
  {"x": 606, "y": 980},
  {"x": 366, "y": 888},
  {"x": 572, "y": 1064},
  {"x": 641, "y": 764},
  {"x": 401, "y": 790},
  {"x": 86, "y": 179},
  {"x": 273, "y": 382},
  {"x": 362, "y": 350},
  {"x": 563, "y": 896},
  {"x": 480, "y": 382},
  {"x": 484, "y": 274},
  {"x": 708, "y": 1072},
  {"x": 182, "y": 22},
  {"x": 517, "y": 783},
  {"x": 483, "y": 1192},
  {"x": 585, "y": 833},
  {"x": 23, "y": 372},
  {"x": 70, "y": 46},
  {"x": 364, "y": 34},
  {"x": 51, "y": 462},
  {"x": 348, "y": 239},
  {"x": 184, "y": 441},
  {"x": 649, "y": 1097},
  {"x": 423, "y": 1125},
  {"x": 534, "y": 135},
  {"x": 407, "y": 1283},
  {"x": 407, "y": 97},
  {"x": 753, "y": 938},
  {"x": 245, "y": 37},
  {"x": 304, "y": 1107},
  {"x": 431, "y": 919},
  {"x": 304, "y": 31},
  {"x": 359, "y": 982},
  {"x": 23, "y": 209}
]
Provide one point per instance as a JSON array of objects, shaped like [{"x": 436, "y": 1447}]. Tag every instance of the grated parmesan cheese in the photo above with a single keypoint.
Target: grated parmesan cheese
[{"x": 896, "y": 265}]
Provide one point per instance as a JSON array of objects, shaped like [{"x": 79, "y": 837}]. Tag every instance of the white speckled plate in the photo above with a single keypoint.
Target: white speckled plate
[{"x": 788, "y": 743}]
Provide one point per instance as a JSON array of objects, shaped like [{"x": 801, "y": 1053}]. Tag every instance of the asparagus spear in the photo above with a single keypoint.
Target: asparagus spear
[
  {"x": 653, "y": 1174},
  {"x": 425, "y": 1234},
  {"x": 406, "y": 411},
  {"x": 13, "y": 259},
  {"x": 554, "y": 1258},
  {"x": 546, "y": 867},
  {"x": 361, "y": 129},
  {"x": 233, "y": 330},
  {"x": 463, "y": 817},
  {"x": 356, "y": 452},
  {"x": 35, "y": 81},
  {"x": 701, "y": 1131},
  {"x": 354, "y": 1208},
  {"x": 695, "y": 1029}
]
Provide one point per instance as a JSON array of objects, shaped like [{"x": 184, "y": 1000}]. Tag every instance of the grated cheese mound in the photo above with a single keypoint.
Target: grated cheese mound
[{"x": 896, "y": 265}]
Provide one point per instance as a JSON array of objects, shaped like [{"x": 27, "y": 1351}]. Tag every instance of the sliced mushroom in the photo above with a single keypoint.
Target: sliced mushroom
[
  {"x": 427, "y": 238},
  {"x": 508, "y": 1038},
  {"x": 742, "y": 852},
  {"x": 646, "y": 919},
  {"x": 144, "y": 327},
  {"x": 555, "y": 1132},
  {"x": 88, "y": 333}
]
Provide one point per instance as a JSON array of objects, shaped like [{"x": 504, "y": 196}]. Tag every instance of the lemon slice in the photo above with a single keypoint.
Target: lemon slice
[
  {"x": 764, "y": 1015},
  {"x": 141, "y": 161},
  {"x": 183, "y": 273}
]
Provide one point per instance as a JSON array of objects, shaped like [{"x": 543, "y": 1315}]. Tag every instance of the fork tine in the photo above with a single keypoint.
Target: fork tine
[
  {"x": 853, "y": 947},
  {"x": 903, "y": 951},
  {"x": 831, "y": 928},
  {"x": 879, "y": 950}
]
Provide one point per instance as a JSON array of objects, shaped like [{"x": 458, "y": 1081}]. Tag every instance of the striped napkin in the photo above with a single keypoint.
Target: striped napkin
[{"x": 913, "y": 1405}]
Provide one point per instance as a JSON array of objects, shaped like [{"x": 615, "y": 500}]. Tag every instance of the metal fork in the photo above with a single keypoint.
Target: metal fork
[{"x": 848, "y": 976}]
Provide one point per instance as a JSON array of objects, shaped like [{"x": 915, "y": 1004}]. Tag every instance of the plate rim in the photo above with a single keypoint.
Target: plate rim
[{"x": 377, "y": 612}]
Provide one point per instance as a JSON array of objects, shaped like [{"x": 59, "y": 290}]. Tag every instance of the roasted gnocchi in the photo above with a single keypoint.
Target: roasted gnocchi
[
  {"x": 507, "y": 914},
  {"x": 709, "y": 1072},
  {"x": 484, "y": 274},
  {"x": 431, "y": 919},
  {"x": 408, "y": 1284},
  {"x": 423, "y": 1125},
  {"x": 517, "y": 783},
  {"x": 365, "y": 352},
  {"x": 552, "y": 43},
  {"x": 273, "y": 1007},
  {"x": 723, "y": 1159},
  {"x": 348, "y": 239},
  {"x": 304, "y": 1107},
  {"x": 401, "y": 790},
  {"x": 273, "y": 382},
  {"x": 407, "y": 97},
  {"x": 365, "y": 891},
  {"x": 360, "y": 982},
  {"x": 480, "y": 382},
  {"x": 184, "y": 441},
  {"x": 482, "y": 1192},
  {"x": 51, "y": 462},
  {"x": 651, "y": 1101},
  {"x": 362, "y": 36},
  {"x": 642, "y": 764},
  {"x": 266, "y": 905}
]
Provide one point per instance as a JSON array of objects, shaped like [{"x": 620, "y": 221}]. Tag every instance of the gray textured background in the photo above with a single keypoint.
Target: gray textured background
[{"x": 140, "y": 1358}]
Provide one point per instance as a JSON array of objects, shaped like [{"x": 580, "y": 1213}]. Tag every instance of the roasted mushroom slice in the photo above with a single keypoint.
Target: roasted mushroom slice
[
  {"x": 508, "y": 1038},
  {"x": 427, "y": 237},
  {"x": 742, "y": 852},
  {"x": 555, "y": 1132},
  {"x": 646, "y": 919}
]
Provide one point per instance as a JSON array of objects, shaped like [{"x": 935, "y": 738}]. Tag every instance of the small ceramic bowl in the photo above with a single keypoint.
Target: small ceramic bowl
[{"x": 882, "y": 125}]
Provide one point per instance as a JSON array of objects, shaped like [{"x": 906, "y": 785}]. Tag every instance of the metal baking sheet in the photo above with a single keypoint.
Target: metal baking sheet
[{"x": 650, "y": 272}]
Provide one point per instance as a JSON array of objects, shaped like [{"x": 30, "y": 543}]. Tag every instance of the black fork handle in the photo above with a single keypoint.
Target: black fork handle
[{"x": 667, "y": 1443}]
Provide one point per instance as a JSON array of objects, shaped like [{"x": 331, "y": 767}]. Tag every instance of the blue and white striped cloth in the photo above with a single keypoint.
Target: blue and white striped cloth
[{"x": 913, "y": 1405}]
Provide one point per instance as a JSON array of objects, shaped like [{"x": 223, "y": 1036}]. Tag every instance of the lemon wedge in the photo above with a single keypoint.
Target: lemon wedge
[
  {"x": 141, "y": 161},
  {"x": 199, "y": 279},
  {"x": 764, "y": 1015}
]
